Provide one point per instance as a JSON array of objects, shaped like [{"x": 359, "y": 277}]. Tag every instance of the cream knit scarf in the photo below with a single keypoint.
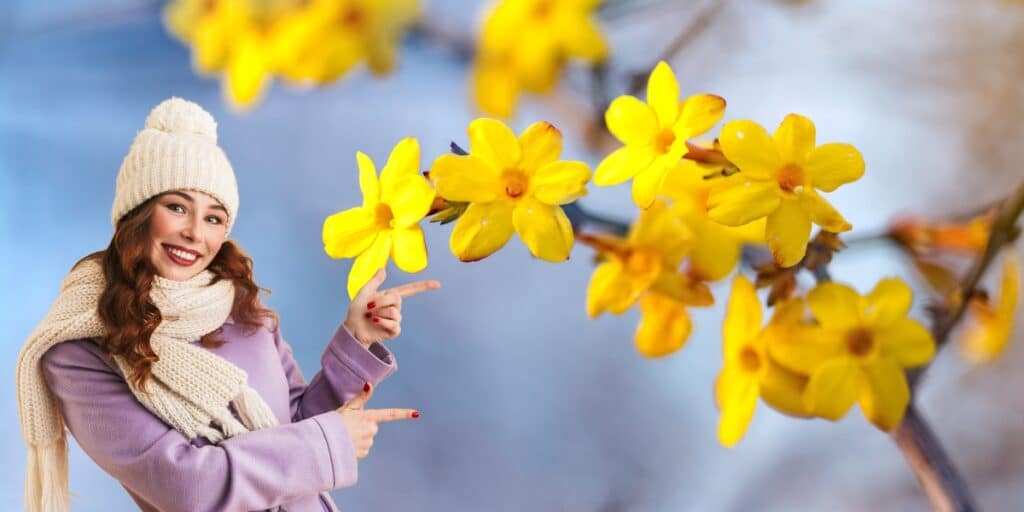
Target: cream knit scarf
[{"x": 189, "y": 388}]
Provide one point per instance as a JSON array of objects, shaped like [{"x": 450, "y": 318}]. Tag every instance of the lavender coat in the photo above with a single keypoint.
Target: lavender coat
[{"x": 285, "y": 466}]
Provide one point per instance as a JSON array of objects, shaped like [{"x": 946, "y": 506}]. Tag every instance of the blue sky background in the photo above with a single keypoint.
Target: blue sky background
[{"x": 528, "y": 404}]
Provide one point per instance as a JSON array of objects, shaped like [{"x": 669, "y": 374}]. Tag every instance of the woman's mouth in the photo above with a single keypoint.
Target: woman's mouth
[{"x": 179, "y": 256}]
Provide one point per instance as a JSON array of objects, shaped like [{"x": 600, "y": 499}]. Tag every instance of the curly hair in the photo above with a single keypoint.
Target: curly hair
[{"x": 127, "y": 312}]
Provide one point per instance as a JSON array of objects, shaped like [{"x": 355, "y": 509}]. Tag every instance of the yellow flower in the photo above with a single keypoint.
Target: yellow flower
[
  {"x": 778, "y": 180},
  {"x": 859, "y": 351},
  {"x": 992, "y": 325},
  {"x": 644, "y": 266},
  {"x": 718, "y": 247},
  {"x": 525, "y": 44},
  {"x": 387, "y": 222},
  {"x": 513, "y": 185},
  {"x": 748, "y": 371},
  {"x": 654, "y": 133}
]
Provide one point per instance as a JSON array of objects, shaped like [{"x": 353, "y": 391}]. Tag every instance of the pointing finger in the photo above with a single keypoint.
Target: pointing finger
[
  {"x": 410, "y": 289},
  {"x": 384, "y": 415}
]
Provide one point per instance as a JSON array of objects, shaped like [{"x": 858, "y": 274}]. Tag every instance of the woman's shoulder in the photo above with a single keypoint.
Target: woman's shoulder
[{"x": 79, "y": 353}]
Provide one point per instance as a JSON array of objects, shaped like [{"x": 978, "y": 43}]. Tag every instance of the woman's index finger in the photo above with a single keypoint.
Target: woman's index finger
[
  {"x": 384, "y": 415},
  {"x": 410, "y": 289}
]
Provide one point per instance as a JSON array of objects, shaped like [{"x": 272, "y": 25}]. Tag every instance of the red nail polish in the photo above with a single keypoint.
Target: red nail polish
[
  {"x": 366, "y": 387},
  {"x": 415, "y": 414},
  {"x": 368, "y": 314},
  {"x": 376, "y": 320},
  {"x": 371, "y": 305}
]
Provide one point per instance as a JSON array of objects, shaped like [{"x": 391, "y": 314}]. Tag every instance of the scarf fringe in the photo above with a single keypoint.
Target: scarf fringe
[{"x": 46, "y": 477}]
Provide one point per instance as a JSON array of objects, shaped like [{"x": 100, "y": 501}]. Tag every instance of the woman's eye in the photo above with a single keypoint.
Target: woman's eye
[
  {"x": 175, "y": 207},
  {"x": 213, "y": 219}
]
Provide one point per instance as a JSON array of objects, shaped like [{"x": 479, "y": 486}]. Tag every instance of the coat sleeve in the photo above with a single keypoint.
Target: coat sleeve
[
  {"x": 253, "y": 471},
  {"x": 345, "y": 366}
]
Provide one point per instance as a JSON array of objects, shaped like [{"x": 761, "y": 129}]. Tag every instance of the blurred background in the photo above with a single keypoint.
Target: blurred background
[{"x": 527, "y": 403}]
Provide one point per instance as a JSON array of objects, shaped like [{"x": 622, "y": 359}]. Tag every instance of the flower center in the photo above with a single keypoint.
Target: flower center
[
  {"x": 641, "y": 262},
  {"x": 663, "y": 141},
  {"x": 791, "y": 178},
  {"x": 383, "y": 216},
  {"x": 542, "y": 10},
  {"x": 516, "y": 183},
  {"x": 749, "y": 360},
  {"x": 860, "y": 341},
  {"x": 353, "y": 17}
]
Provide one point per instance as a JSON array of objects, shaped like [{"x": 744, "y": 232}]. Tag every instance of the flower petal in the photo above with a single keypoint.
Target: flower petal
[
  {"x": 647, "y": 184},
  {"x": 907, "y": 342},
  {"x": 886, "y": 394},
  {"x": 717, "y": 252},
  {"x": 248, "y": 72},
  {"x": 403, "y": 161},
  {"x": 795, "y": 139},
  {"x": 368, "y": 263},
  {"x": 664, "y": 326},
  {"x": 409, "y": 198},
  {"x": 465, "y": 178},
  {"x": 622, "y": 164},
  {"x": 787, "y": 233},
  {"x": 348, "y": 233},
  {"x": 610, "y": 289},
  {"x": 560, "y": 182},
  {"x": 836, "y": 306},
  {"x": 631, "y": 121},
  {"x": 541, "y": 143},
  {"x": 492, "y": 141},
  {"x": 783, "y": 390},
  {"x": 743, "y": 317},
  {"x": 682, "y": 289},
  {"x": 368, "y": 183},
  {"x": 804, "y": 350},
  {"x": 833, "y": 388},
  {"x": 663, "y": 94},
  {"x": 822, "y": 213},
  {"x": 738, "y": 200},
  {"x": 831, "y": 165},
  {"x": 888, "y": 302},
  {"x": 481, "y": 230},
  {"x": 736, "y": 394},
  {"x": 409, "y": 250},
  {"x": 544, "y": 229},
  {"x": 495, "y": 89},
  {"x": 586, "y": 41},
  {"x": 748, "y": 145},
  {"x": 698, "y": 114}
]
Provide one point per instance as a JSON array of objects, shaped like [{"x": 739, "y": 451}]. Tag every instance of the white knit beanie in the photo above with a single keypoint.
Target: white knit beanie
[{"x": 177, "y": 149}]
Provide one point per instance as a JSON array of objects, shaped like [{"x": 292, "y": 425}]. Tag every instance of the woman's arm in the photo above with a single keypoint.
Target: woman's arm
[
  {"x": 253, "y": 471},
  {"x": 346, "y": 366}
]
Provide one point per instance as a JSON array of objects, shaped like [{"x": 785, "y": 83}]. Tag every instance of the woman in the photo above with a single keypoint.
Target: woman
[{"x": 169, "y": 371}]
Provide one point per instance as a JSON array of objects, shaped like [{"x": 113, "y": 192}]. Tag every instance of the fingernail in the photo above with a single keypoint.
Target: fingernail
[
  {"x": 368, "y": 314},
  {"x": 376, "y": 320},
  {"x": 366, "y": 387},
  {"x": 415, "y": 414},
  {"x": 371, "y": 305}
]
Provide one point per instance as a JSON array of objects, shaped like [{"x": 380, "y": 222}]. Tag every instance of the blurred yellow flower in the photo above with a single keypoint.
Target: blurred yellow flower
[
  {"x": 717, "y": 248},
  {"x": 316, "y": 41},
  {"x": 992, "y": 324},
  {"x": 859, "y": 351},
  {"x": 748, "y": 371},
  {"x": 654, "y": 134},
  {"x": 525, "y": 44},
  {"x": 512, "y": 185},
  {"x": 388, "y": 221},
  {"x": 645, "y": 266},
  {"x": 778, "y": 180}
]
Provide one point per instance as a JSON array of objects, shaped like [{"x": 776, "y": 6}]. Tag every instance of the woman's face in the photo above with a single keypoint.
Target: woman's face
[{"x": 185, "y": 232}]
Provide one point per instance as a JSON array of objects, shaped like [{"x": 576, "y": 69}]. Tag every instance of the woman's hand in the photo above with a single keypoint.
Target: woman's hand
[
  {"x": 362, "y": 423},
  {"x": 376, "y": 315}
]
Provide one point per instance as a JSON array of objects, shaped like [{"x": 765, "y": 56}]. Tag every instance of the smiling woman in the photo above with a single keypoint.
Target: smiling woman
[{"x": 169, "y": 371}]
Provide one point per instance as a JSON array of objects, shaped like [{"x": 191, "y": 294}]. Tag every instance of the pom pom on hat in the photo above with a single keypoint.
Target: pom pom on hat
[{"x": 177, "y": 149}]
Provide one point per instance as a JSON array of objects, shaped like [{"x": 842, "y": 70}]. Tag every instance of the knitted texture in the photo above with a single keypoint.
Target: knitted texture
[
  {"x": 189, "y": 387},
  {"x": 177, "y": 149}
]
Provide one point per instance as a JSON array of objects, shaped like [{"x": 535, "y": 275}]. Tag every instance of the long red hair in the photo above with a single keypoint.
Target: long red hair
[{"x": 127, "y": 312}]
